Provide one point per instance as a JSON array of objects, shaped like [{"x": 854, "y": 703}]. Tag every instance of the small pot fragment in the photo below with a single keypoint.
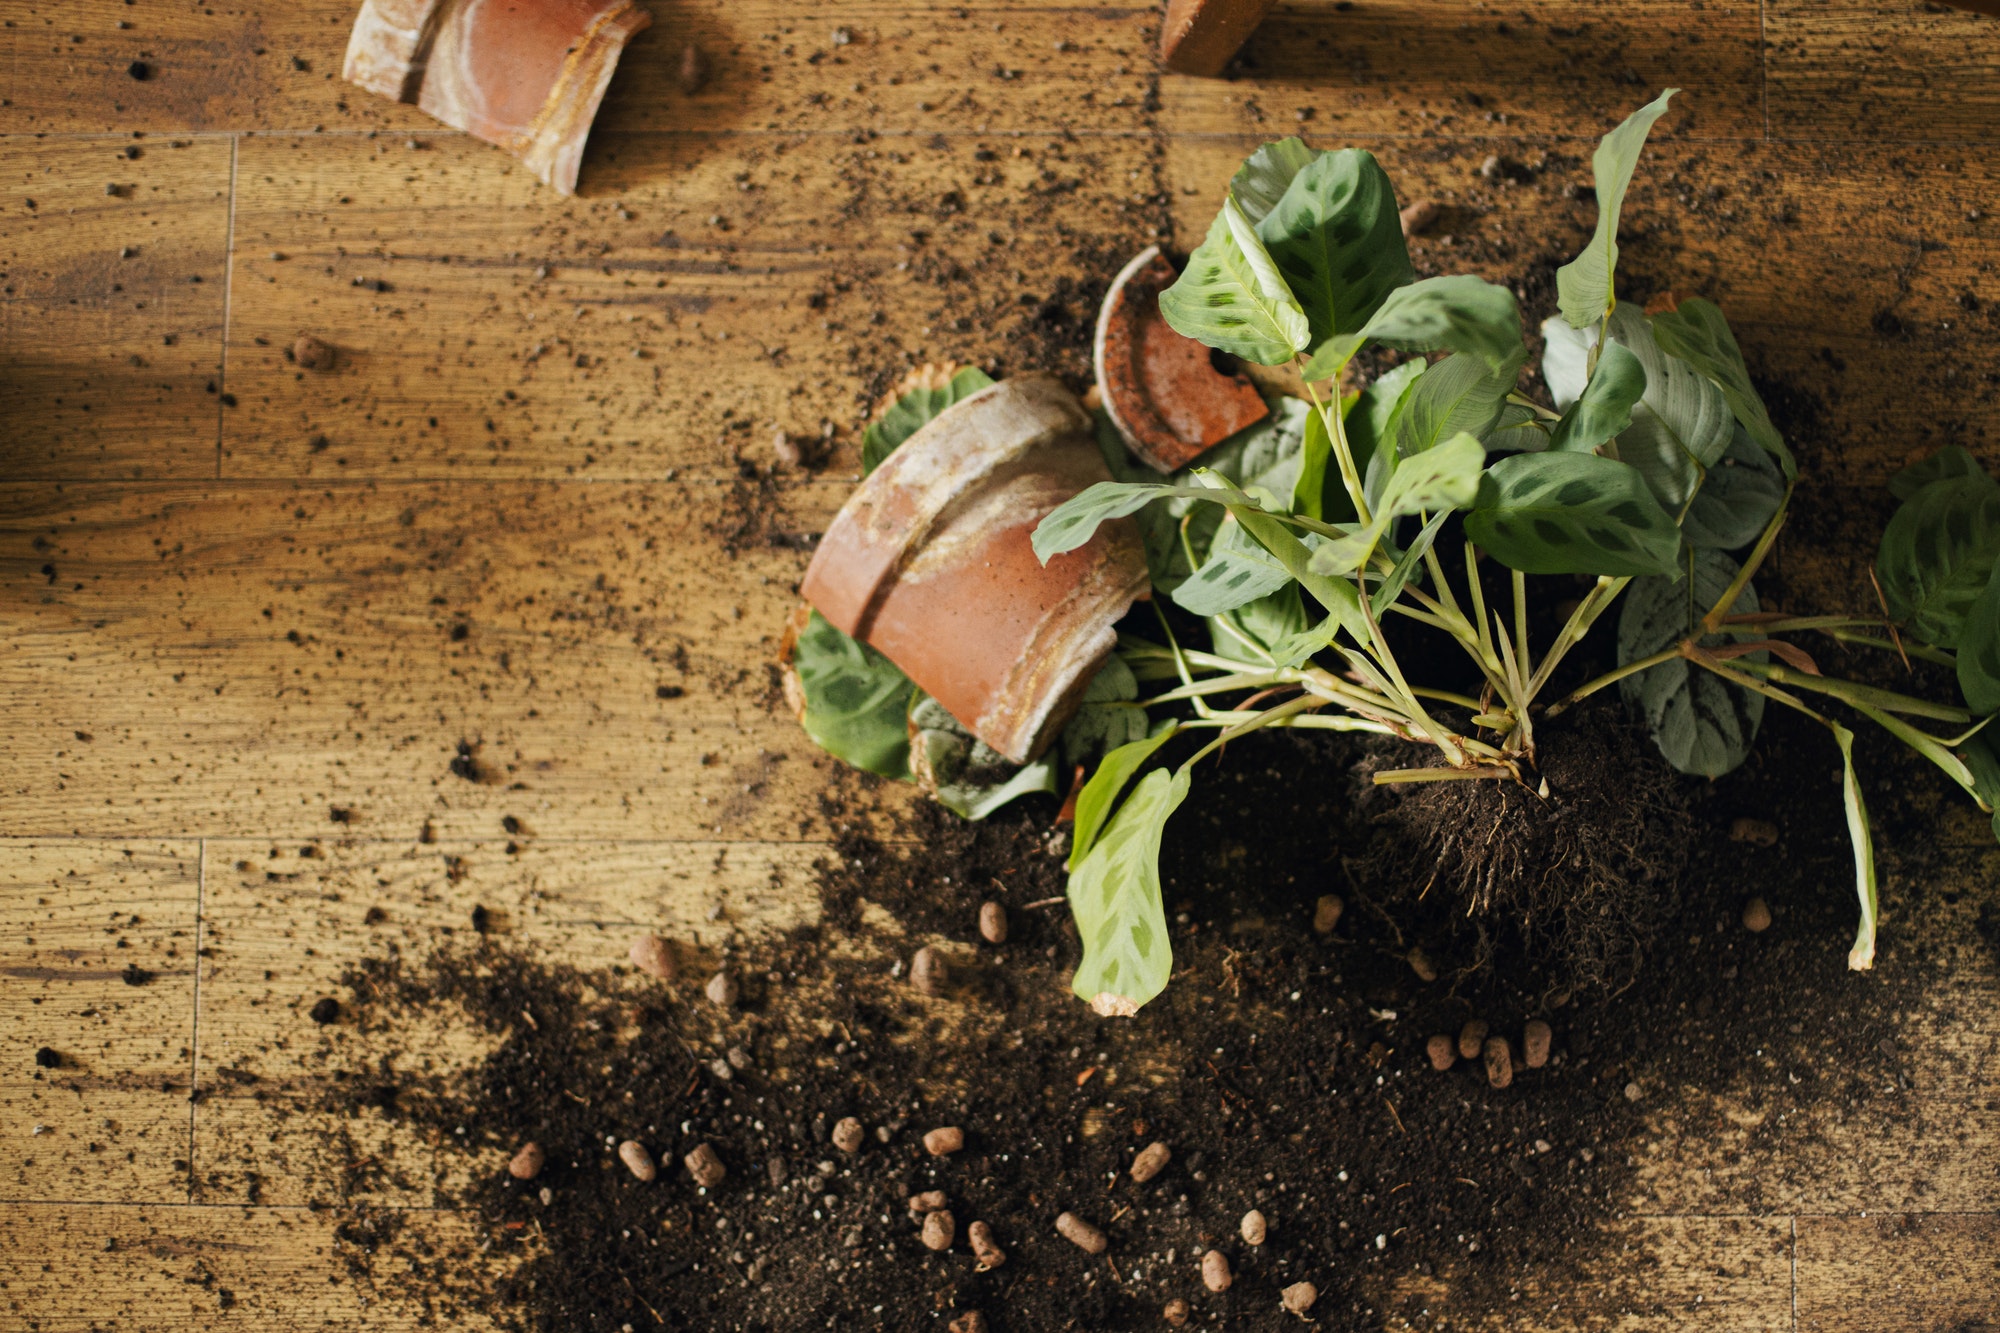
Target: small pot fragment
[
  {"x": 1203, "y": 36},
  {"x": 929, "y": 562},
  {"x": 721, "y": 990},
  {"x": 1161, "y": 388},
  {"x": 526, "y": 76}
]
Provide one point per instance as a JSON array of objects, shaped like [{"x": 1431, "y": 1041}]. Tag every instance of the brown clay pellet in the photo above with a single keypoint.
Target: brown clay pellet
[
  {"x": 940, "y": 1230},
  {"x": 970, "y": 1322},
  {"x": 313, "y": 353},
  {"x": 1215, "y": 1274},
  {"x": 653, "y": 956},
  {"x": 1253, "y": 1228},
  {"x": 1472, "y": 1039},
  {"x": 1756, "y": 916},
  {"x": 993, "y": 923},
  {"x": 927, "y": 971},
  {"x": 1757, "y": 832},
  {"x": 1081, "y": 1234},
  {"x": 984, "y": 1248},
  {"x": 637, "y": 1160},
  {"x": 1442, "y": 1051},
  {"x": 927, "y": 1202},
  {"x": 1421, "y": 964},
  {"x": 705, "y": 1166},
  {"x": 721, "y": 991},
  {"x": 1299, "y": 1297},
  {"x": 1152, "y": 1160},
  {"x": 1326, "y": 913},
  {"x": 1176, "y": 1312},
  {"x": 944, "y": 1141},
  {"x": 847, "y": 1134},
  {"x": 1499, "y": 1062},
  {"x": 1418, "y": 217},
  {"x": 1536, "y": 1038},
  {"x": 692, "y": 73},
  {"x": 527, "y": 1163}
]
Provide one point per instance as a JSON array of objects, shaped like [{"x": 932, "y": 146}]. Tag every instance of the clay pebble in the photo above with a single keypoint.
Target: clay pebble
[
  {"x": 312, "y": 353},
  {"x": 1418, "y": 217},
  {"x": 1472, "y": 1039},
  {"x": 927, "y": 971},
  {"x": 847, "y": 1134},
  {"x": 927, "y": 1202},
  {"x": 1253, "y": 1228},
  {"x": 1081, "y": 1234},
  {"x": 653, "y": 956},
  {"x": 985, "y": 1249},
  {"x": 992, "y": 923},
  {"x": 970, "y": 1322},
  {"x": 1442, "y": 1051},
  {"x": 705, "y": 1166},
  {"x": 721, "y": 990},
  {"x": 944, "y": 1141},
  {"x": 692, "y": 73},
  {"x": 1499, "y": 1062},
  {"x": 1421, "y": 964},
  {"x": 1756, "y": 916},
  {"x": 1152, "y": 1160},
  {"x": 1536, "y": 1039},
  {"x": 1756, "y": 832},
  {"x": 1299, "y": 1297},
  {"x": 637, "y": 1160},
  {"x": 1215, "y": 1274},
  {"x": 1326, "y": 913},
  {"x": 1176, "y": 1312},
  {"x": 940, "y": 1229},
  {"x": 527, "y": 1163}
]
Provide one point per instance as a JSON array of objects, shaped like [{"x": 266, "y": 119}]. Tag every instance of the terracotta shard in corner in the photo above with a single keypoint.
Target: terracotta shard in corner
[
  {"x": 524, "y": 74},
  {"x": 1203, "y": 36},
  {"x": 1162, "y": 389}
]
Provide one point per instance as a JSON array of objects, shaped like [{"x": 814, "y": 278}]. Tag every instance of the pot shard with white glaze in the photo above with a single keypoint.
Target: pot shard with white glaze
[
  {"x": 930, "y": 563},
  {"x": 527, "y": 75}
]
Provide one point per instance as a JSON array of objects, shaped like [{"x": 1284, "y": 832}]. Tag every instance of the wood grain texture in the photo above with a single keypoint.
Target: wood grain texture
[
  {"x": 286, "y": 661},
  {"x": 70, "y": 1268},
  {"x": 97, "y": 960},
  {"x": 1894, "y": 71},
  {"x": 285, "y": 925},
  {"x": 723, "y": 291},
  {"x": 111, "y": 306},
  {"x": 1898, "y": 1271}
]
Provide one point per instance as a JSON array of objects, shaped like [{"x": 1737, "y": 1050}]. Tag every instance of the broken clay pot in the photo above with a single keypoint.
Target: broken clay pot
[
  {"x": 1160, "y": 387},
  {"x": 1203, "y": 36},
  {"x": 929, "y": 563},
  {"x": 524, "y": 74}
]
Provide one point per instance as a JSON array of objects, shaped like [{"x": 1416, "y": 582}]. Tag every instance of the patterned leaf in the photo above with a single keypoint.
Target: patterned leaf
[
  {"x": 1114, "y": 894},
  {"x": 1938, "y": 554},
  {"x": 1572, "y": 514},
  {"x": 1702, "y": 723}
]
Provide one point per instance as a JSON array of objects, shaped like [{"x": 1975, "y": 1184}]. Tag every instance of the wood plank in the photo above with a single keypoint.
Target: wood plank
[
  {"x": 83, "y": 1268},
  {"x": 111, "y": 306},
  {"x": 284, "y": 924},
  {"x": 1381, "y": 66},
  {"x": 1899, "y": 1273},
  {"x": 1889, "y": 369},
  {"x": 97, "y": 963},
  {"x": 1664, "y": 1273},
  {"x": 485, "y": 323},
  {"x": 1899, "y": 72},
  {"x": 272, "y": 660}
]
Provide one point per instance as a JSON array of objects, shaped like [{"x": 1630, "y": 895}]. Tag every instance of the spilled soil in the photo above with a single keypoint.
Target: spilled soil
[{"x": 1285, "y": 1069}]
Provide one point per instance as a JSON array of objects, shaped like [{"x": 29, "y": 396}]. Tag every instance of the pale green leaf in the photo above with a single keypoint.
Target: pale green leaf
[
  {"x": 1862, "y": 956},
  {"x": 1736, "y": 499},
  {"x": 1337, "y": 240},
  {"x": 1094, "y": 802},
  {"x": 1279, "y": 300},
  {"x": 913, "y": 411},
  {"x": 1584, "y": 285},
  {"x": 1237, "y": 571},
  {"x": 1219, "y": 302},
  {"x": 1075, "y": 521},
  {"x": 857, "y": 702},
  {"x": 1266, "y": 174},
  {"x": 1604, "y": 408},
  {"x": 1114, "y": 895}
]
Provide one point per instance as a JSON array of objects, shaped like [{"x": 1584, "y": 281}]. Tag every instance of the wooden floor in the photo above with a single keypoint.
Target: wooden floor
[{"x": 482, "y": 614}]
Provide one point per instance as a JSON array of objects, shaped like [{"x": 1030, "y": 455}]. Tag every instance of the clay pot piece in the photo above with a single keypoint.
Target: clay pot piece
[
  {"x": 526, "y": 74},
  {"x": 1162, "y": 389},
  {"x": 1203, "y": 36},
  {"x": 929, "y": 563}
]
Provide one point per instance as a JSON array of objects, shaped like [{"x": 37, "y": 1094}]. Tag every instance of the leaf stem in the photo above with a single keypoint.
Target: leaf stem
[
  {"x": 1850, "y": 692},
  {"x": 1583, "y": 692},
  {"x": 1713, "y": 620},
  {"x": 1336, "y": 431}
]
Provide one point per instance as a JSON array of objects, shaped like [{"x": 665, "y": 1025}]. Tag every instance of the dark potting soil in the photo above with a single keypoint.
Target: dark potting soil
[{"x": 1286, "y": 1071}]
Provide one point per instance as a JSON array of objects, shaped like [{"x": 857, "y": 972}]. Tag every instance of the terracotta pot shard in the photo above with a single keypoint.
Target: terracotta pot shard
[
  {"x": 929, "y": 563},
  {"x": 525, "y": 74},
  {"x": 1203, "y": 36},
  {"x": 1161, "y": 388}
]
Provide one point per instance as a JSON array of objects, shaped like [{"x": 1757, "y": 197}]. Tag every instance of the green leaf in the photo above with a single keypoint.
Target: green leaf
[
  {"x": 1950, "y": 461},
  {"x": 1437, "y": 480},
  {"x": 1399, "y": 578},
  {"x": 1702, "y": 723},
  {"x": 1291, "y": 651},
  {"x": 1983, "y": 759},
  {"x": 857, "y": 702},
  {"x": 1519, "y": 429},
  {"x": 1266, "y": 174},
  {"x": 1862, "y": 956},
  {"x": 1699, "y": 335},
  {"x": 1336, "y": 595},
  {"x": 1458, "y": 394},
  {"x": 1237, "y": 571},
  {"x": 1336, "y": 238},
  {"x": 1459, "y": 313},
  {"x": 1094, "y": 802},
  {"x": 1315, "y": 459},
  {"x": 913, "y": 411},
  {"x": 1979, "y": 653},
  {"x": 1257, "y": 627},
  {"x": 1604, "y": 408},
  {"x": 1736, "y": 499},
  {"x": 1937, "y": 556},
  {"x": 1075, "y": 521},
  {"x": 963, "y": 773},
  {"x": 1572, "y": 514},
  {"x": 1566, "y": 360},
  {"x": 1114, "y": 894},
  {"x": 1110, "y": 715},
  {"x": 1371, "y": 420},
  {"x": 1584, "y": 285},
  {"x": 1682, "y": 423},
  {"x": 1220, "y": 299}
]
